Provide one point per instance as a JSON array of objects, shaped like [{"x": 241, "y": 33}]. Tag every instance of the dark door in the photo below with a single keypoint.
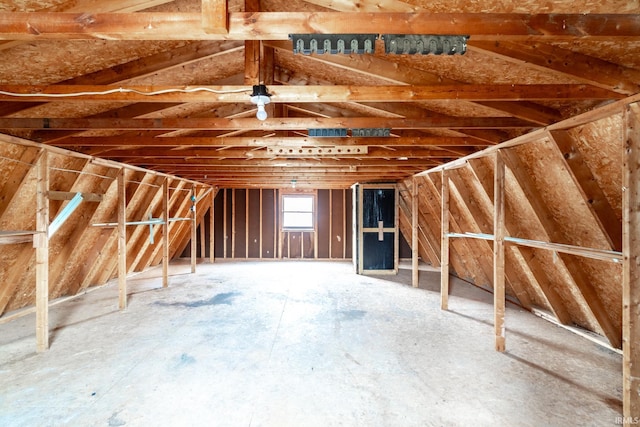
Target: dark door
[{"x": 378, "y": 230}]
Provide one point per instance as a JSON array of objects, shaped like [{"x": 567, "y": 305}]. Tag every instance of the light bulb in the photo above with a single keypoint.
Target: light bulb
[{"x": 262, "y": 113}]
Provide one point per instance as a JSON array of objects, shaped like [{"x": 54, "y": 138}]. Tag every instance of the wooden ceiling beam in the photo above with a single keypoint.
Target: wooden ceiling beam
[
  {"x": 286, "y": 163},
  {"x": 125, "y": 141},
  {"x": 253, "y": 153},
  {"x": 302, "y": 123},
  {"x": 302, "y": 94},
  {"x": 278, "y": 25}
]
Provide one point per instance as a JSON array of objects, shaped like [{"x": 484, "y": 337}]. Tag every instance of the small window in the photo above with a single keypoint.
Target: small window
[{"x": 297, "y": 212}]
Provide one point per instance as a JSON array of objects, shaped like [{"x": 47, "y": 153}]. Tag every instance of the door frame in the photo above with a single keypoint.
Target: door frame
[{"x": 362, "y": 230}]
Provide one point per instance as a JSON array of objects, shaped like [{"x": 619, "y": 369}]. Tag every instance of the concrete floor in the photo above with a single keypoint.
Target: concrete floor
[{"x": 299, "y": 344}]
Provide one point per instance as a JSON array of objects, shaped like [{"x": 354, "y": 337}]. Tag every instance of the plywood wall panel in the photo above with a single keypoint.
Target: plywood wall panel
[
  {"x": 269, "y": 219},
  {"x": 219, "y": 233},
  {"x": 323, "y": 223},
  {"x": 337, "y": 228},
  {"x": 254, "y": 224},
  {"x": 240, "y": 237},
  {"x": 600, "y": 144}
]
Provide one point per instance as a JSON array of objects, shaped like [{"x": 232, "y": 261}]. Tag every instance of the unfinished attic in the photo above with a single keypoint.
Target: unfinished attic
[{"x": 319, "y": 213}]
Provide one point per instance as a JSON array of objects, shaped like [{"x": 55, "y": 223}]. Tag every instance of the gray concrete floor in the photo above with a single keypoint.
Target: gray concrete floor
[{"x": 299, "y": 344}]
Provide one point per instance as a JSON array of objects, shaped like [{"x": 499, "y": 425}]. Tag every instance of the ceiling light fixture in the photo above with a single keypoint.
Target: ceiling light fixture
[{"x": 260, "y": 97}]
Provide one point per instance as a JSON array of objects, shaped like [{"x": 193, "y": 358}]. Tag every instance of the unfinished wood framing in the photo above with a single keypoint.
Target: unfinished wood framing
[
  {"x": 251, "y": 215},
  {"x": 194, "y": 227},
  {"x": 157, "y": 111},
  {"x": 122, "y": 240},
  {"x": 415, "y": 274},
  {"x": 498, "y": 253},
  {"x": 41, "y": 243},
  {"x": 444, "y": 243},
  {"x": 212, "y": 232},
  {"x": 165, "y": 233},
  {"x": 214, "y": 16},
  {"x": 631, "y": 266}
]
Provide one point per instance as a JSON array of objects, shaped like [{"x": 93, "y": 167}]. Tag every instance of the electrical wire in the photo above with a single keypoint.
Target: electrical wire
[
  {"x": 120, "y": 90},
  {"x": 16, "y": 160},
  {"x": 80, "y": 172}
]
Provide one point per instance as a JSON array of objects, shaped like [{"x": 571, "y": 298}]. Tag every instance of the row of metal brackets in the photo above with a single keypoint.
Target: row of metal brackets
[{"x": 409, "y": 44}]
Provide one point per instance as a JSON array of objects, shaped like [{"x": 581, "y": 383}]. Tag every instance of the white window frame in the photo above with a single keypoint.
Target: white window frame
[{"x": 311, "y": 196}]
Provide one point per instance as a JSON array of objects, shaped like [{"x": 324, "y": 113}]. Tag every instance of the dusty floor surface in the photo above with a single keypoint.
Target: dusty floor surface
[{"x": 299, "y": 344}]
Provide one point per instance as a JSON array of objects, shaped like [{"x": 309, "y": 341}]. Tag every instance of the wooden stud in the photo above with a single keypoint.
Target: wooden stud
[
  {"x": 631, "y": 265},
  {"x": 224, "y": 223},
  {"x": 233, "y": 223},
  {"x": 498, "y": 253},
  {"x": 344, "y": 224},
  {"x": 330, "y": 223},
  {"x": 41, "y": 243},
  {"x": 396, "y": 232},
  {"x": 165, "y": 233},
  {"x": 415, "y": 275},
  {"x": 194, "y": 225},
  {"x": 246, "y": 223},
  {"x": 122, "y": 241},
  {"x": 203, "y": 242},
  {"x": 444, "y": 243},
  {"x": 212, "y": 234},
  {"x": 275, "y": 225},
  {"x": 260, "y": 223},
  {"x": 315, "y": 225}
]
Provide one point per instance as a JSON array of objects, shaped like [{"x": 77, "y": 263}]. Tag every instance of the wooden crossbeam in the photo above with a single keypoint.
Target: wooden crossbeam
[
  {"x": 303, "y": 94},
  {"x": 124, "y": 141},
  {"x": 278, "y": 25},
  {"x": 274, "y": 124},
  {"x": 251, "y": 153}
]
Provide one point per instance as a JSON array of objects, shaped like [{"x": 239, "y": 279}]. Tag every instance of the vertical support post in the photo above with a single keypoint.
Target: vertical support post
[
  {"x": 344, "y": 224},
  {"x": 212, "y": 235},
  {"x": 415, "y": 275},
  {"x": 315, "y": 226},
  {"x": 444, "y": 243},
  {"x": 224, "y": 224},
  {"x": 122, "y": 241},
  {"x": 330, "y": 223},
  {"x": 194, "y": 234},
  {"x": 396, "y": 231},
  {"x": 214, "y": 16},
  {"x": 260, "y": 219},
  {"x": 631, "y": 265},
  {"x": 246, "y": 223},
  {"x": 498, "y": 252},
  {"x": 165, "y": 233},
  {"x": 275, "y": 224},
  {"x": 41, "y": 243},
  {"x": 203, "y": 241},
  {"x": 233, "y": 223}
]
